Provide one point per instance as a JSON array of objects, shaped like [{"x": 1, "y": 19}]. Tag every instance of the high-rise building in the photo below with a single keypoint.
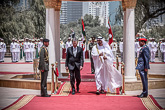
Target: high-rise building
[
  {"x": 63, "y": 13},
  {"x": 23, "y": 5},
  {"x": 74, "y": 11},
  {"x": 85, "y": 8},
  {"x": 100, "y": 9},
  {"x": 70, "y": 11}
]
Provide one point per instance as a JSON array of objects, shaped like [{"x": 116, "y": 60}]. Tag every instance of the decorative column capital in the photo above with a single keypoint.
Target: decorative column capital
[
  {"x": 128, "y": 4},
  {"x": 56, "y": 4}
]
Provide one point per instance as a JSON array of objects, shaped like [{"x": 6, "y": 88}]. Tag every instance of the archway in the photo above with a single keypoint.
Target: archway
[{"x": 53, "y": 33}]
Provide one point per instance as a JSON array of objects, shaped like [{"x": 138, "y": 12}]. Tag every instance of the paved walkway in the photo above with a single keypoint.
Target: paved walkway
[{"x": 9, "y": 95}]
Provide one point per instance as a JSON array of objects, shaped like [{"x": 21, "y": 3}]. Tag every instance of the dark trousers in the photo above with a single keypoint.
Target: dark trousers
[
  {"x": 44, "y": 83},
  {"x": 92, "y": 65},
  {"x": 75, "y": 74},
  {"x": 144, "y": 79}
]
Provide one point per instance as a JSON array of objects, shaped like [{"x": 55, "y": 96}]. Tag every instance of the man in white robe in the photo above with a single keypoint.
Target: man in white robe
[{"x": 106, "y": 75}]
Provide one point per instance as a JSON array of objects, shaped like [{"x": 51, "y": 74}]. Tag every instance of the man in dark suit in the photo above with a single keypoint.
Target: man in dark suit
[
  {"x": 74, "y": 63},
  {"x": 44, "y": 67},
  {"x": 90, "y": 48},
  {"x": 143, "y": 65}
]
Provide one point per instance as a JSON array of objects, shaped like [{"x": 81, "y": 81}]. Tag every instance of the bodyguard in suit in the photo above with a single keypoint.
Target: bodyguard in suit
[
  {"x": 143, "y": 65},
  {"x": 74, "y": 63},
  {"x": 44, "y": 67},
  {"x": 91, "y": 59}
]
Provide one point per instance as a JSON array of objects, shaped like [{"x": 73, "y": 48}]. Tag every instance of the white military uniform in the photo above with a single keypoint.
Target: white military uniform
[
  {"x": 13, "y": 50},
  {"x": 121, "y": 50},
  {"x": 17, "y": 52},
  {"x": 68, "y": 44},
  {"x": 39, "y": 46},
  {"x": 27, "y": 51},
  {"x": 137, "y": 49},
  {"x": 153, "y": 48},
  {"x": 83, "y": 46},
  {"x": 162, "y": 49},
  {"x": 32, "y": 50},
  {"x": 1, "y": 51},
  {"x": 114, "y": 48},
  {"x": 61, "y": 48}
]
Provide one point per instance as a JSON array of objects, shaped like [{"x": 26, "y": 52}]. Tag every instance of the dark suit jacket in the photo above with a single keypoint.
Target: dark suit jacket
[
  {"x": 71, "y": 61},
  {"x": 144, "y": 58},
  {"x": 43, "y": 59}
]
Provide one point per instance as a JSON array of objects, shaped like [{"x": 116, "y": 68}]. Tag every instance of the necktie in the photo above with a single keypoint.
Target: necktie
[{"x": 74, "y": 52}]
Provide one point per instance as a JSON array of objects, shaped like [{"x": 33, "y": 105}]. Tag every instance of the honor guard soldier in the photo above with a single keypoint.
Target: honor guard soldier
[
  {"x": 27, "y": 50},
  {"x": 143, "y": 65},
  {"x": 82, "y": 44},
  {"x": 91, "y": 59},
  {"x": 68, "y": 43},
  {"x": 33, "y": 50},
  {"x": 44, "y": 67},
  {"x": 13, "y": 50},
  {"x": 153, "y": 49},
  {"x": 121, "y": 48},
  {"x": 32, "y": 45},
  {"x": 21, "y": 48},
  {"x": 17, "y": 50},
  {"x": 2, "y": 50},
  {"x": 36, "y": 48},
  {"x": 61, "y": 48},
  {"x": 114, "y": 47},
  {"x": 162, "y": 49},
  {"x": 40, "y": 44},
  {"x": 137, "y": 48}
]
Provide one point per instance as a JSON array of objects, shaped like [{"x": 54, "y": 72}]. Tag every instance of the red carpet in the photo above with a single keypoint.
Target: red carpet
[
  {"x": 85, "y": 102},
  {"x": 87, "y": 88},
  {"x": 86, "y": 99}
]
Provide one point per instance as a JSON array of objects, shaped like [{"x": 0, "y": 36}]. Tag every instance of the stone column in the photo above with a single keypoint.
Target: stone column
[
  {"x": 57, "y": 38},
  {"x": 50, "y": 34},
  {"x": 124, "y": 30},
  {"x": 53, "y": 31},
  {"x": 129, "y": 53},
  {"x": 124, "y": 35}
]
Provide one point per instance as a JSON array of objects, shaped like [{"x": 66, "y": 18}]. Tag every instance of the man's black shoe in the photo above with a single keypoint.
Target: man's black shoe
[
  {"x": 46, "y": 95},
  {"x": 102, "y": 92},
  {"x": 142, "y": 95},
  {"x": 73, "y": 92},
  {"x": 77, "y": 89},
  {"x": 98, "y": 92}
]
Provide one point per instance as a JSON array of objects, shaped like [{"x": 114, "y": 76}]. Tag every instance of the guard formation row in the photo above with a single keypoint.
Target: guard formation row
[{"x": 28, "y": 49}]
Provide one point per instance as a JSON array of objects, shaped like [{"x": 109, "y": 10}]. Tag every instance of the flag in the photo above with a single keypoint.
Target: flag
[
  {"x": 110, "y": 33},
  {"x": 83, "y": 31},
  {"x": 56, "y": 72}
]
